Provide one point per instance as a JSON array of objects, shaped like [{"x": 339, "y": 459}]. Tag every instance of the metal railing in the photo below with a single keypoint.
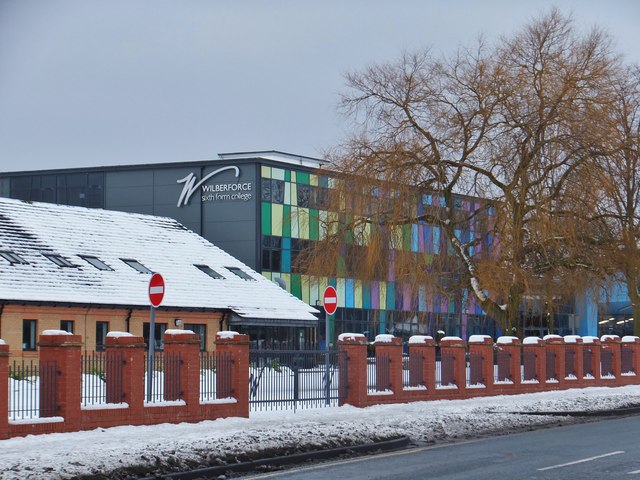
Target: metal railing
[
  {"x": 551, "y": 366},
  {"x": 379, "y": 374},
  {"x": 166, "y": 377},
  {"x": 529, "y": 373},
  {"x": 215, "y": 376},
  {"x": 502, "y": 370},
  {"x": 97, "y": 367},
  {"x": 626, "y": 361},
  {"x": 413, "y": 370},
  {"x": 606, "y": 363},
  {"x": 291, "y": 379},
  {"x": 587, "y": 359},
  {"x": 26, "y": 399}
]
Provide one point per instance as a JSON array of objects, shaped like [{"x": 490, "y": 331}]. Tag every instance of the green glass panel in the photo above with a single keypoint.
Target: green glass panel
[
  {"x": 302, "y": 177},
  {"x": 341, "y": 267},
  {"x": 287, "y": 175},
  {"x": 323, "y": 181},
  {"x": 406, "y": 238},
  {"x": 314, "y": 224},
  {"x": 286, "y": 221},
  {"x": 366, "y": 295},
  {"x": 391, "y": 296},
  {"x": 296, "y": 285},
  {"x": 266, "y": 218}
]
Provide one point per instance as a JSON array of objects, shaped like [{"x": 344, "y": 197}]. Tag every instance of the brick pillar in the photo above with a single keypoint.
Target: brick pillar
[
  {"x": 512, "y": 347},
  {"x": 60, "y": 369},
  {"x": 182, "y": 377},
  {"x": 390, "y": 347},
  {"x": 235, "y": 347},
  {"x": 456, "y": 347},
  {"x": 353, "y": 351},
  {"x": 573, "y": 345},
  {"x": 535, "y": 346},
  {"x": 424, "y": 347},
  {"x": 592, "y": 345},
  {"x": 554, "y": 345},
  {"x": 4, "y": 394},
  {"x": 121, "y": 345},
  {"x": 482, "y": 346},
  {"x": 633, "y": 343},
  {"x": 612, "y": 344}
]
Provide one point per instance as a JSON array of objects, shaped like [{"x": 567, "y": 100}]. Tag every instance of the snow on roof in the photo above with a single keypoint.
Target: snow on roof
[{"x": 32, "y": 230}]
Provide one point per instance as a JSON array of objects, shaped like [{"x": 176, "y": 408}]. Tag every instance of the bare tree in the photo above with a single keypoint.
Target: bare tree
[
  {"x": 514, "y": 124},
  {"x": 617, "y": 184}
]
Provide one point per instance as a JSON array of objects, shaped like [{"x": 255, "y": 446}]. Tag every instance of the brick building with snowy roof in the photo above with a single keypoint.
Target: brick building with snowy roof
[{"x": 87, "y": 271}]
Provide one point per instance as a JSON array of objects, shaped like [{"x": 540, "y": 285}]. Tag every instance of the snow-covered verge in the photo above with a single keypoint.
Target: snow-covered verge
[{"x": 125, "y": 452}]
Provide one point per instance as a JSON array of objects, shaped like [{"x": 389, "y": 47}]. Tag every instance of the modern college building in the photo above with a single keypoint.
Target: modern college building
[{"x": 264, "y": 208}]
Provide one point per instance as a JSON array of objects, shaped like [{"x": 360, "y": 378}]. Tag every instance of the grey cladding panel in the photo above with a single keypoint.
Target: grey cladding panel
[{"x": 243, "y": 251}]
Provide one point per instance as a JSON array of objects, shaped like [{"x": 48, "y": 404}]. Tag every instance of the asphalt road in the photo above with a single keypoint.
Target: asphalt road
[{"x": 600, "y": 450}]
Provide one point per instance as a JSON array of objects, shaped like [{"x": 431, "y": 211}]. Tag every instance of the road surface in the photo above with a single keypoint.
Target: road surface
[{"x": 606, "y": 449}]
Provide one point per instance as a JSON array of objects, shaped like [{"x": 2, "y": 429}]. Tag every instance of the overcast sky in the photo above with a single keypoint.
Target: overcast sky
[{"x": 90, "y": 82}]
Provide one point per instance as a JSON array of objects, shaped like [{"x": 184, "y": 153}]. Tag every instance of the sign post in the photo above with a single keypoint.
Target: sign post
[
  {"x": 156, "y": 294},
  {"x": 330, "y": 304}
]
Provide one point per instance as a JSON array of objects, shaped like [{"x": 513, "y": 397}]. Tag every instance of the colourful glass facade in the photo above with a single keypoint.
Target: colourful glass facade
[{"x": 290, "y": 220}]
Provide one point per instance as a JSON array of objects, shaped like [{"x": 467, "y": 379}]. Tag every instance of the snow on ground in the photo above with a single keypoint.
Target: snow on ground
[{"x": 126, "y": 452}]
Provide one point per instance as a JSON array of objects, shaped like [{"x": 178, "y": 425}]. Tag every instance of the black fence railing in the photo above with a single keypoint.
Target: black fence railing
[
  {"x": 166, "y": 377},
  {"x": 291, "y": 379},
  {"x": 626, "y": 361},
  {"x": 606, "y": 363},
  {"x": 551, "y": 366},
  {"x": 96, "y": 367},
  {"x": 25, "y": 399},
  {"x": 215, "y": 376}
]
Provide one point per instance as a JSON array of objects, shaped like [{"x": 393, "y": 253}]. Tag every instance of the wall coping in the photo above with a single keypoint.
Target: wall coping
[{"x": 352, "y": 339}]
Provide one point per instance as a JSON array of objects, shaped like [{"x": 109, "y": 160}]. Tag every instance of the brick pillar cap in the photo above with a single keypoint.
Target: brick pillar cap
[
  {"x": 4, "y": 348},
  {"x": 610, "y": 339},
  {"x": 533, "y": 341},
  {"x": 352, "y": 339},
  {"x": 229, "y": 336},
  {"x": 387, "y": 340},
  {"x": 180, "y": 336},
  {"x": 553, "y": 340},
  {"x": 572, "y": 339},
  {"x": 451, "y": 342},
  {"x": 630, "y": 339},
  {"x": 418, "y": 340},
  {"x": 123, "y": 339},
  {"x": 481, "y": 339},
  {"x": 508, "y": 340},
  {"x": 591, "y": 340},
  {"x": 59, "y": 337}
]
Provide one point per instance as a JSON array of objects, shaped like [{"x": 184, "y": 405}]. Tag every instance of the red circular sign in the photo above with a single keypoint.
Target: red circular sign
[
  {"x": 156, "y": 289},
  {"x": 330, "y": 300}
]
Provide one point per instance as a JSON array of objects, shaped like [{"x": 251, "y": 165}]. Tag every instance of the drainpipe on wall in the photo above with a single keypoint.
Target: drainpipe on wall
[
  {"x": 1, "y": 309},
  {"x": 127, "y": 320}
]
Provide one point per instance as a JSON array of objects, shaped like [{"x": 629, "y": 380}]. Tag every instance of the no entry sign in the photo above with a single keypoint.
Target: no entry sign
[
  {"x": 330, "y": 300},
  {"x": 156, "y": 289}
]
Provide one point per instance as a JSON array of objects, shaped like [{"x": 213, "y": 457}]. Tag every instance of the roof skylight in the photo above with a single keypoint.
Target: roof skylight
[
  {"x": 240, "y": 273},
  {"x": 13, "y": 258},
  {"x": 209, "y": 271},
  {"x": 95, "y": 262},
  {"x": 136, "y": 265},
  {"x": 59, "y": 260}
]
